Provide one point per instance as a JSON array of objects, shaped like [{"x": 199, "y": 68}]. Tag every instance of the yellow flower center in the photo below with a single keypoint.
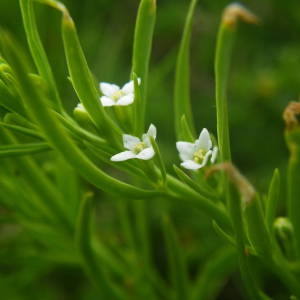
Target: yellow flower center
[
  {"x": 139, "y": 147},
  {"x": 199, "y": 155},
  {"x": 117, "y": 95}
]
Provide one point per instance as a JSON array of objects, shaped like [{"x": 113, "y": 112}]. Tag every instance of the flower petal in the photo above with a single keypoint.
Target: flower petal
[
  {"x": 128, "y": 88},
  {"x": 130, "y": 141},
  {"x": 106, "y": 101},
  {"x": 206, "y": 157},
  {"x": 190, "y": 165},
  {"x": 80, "y": 107},
  {"x": 146, "y": 136},
  {"x": 108, "y": 89},
  {"x": 204, "y": 141},
  {"x": 186, "y": 150},
  {"x": 125, "y": 100},
  {"x": 123, "y": 156},
  {"x": 146, "y": 154},
  {"x": 152, "y": 131},
  {"x": 214, "y": 154}
]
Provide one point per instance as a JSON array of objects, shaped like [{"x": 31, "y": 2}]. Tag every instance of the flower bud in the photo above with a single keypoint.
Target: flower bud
[{"x": 284, "y": 233}]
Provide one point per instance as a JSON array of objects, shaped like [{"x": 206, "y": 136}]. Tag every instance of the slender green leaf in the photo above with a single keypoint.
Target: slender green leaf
[
  {"x": 215, "y": 274},
  {"x": 80, "y": 74},
  {"x": 224, "y": 235},
  {"x": 23, "y": 130},
  {"x": 160, "y": 160},
  {"x": 190, "y": 182},
  {"x": 23, "y": 149},
  {"x": 94, "y": 270},
  {"x": 182, "y": 80},
  {"x": 37, "y": 51},
  {"x": 82, "y": 78},
  {"x": 59, "y": 138},
  {"x": 242, "y": 194},
  {"x": 225, "y": 41},
  {"x": 273, "y": 199},
  {"x": 185, "y": 131},
  {"x": 141, "y": 53},
  {"x": 179, "y": 190},
  {"x": 177, "y": 265},
  {"x": 258, "y": 234},
  {"x": 293, "y": 180},
  {"x": 80, "y": 132},
  {"x": 10, "y": 101}
]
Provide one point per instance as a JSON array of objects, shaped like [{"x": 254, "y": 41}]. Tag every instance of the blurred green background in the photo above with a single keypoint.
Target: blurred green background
[{"x": 264, "y": 78}]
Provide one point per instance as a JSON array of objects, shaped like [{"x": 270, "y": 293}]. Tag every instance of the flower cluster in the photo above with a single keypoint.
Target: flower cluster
[{"x": 194, "y": 156}]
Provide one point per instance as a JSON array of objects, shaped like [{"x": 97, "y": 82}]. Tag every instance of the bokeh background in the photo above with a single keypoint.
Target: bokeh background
[{"x": 264, "y": 77}]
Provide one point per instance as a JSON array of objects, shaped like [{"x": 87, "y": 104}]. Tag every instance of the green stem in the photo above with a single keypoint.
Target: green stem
[
  {"x": 273, "y": 199},
  {"x": 179, "y": 190},
  {"x": 293, "y": 180},
  {"x": 222, "y": 61},
  {"x": 225, "y": 40}
]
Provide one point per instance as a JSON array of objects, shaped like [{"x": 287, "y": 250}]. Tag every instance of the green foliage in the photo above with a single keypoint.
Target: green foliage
[{"x": 77, "y": 224}]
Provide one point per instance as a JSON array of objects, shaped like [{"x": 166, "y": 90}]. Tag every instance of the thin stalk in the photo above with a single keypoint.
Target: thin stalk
[
  {"x": 292, "y": 137},
  {"x": 181, "y": 191},
  {"x": 161, "y": 164},
  {"x": 257, "y": 232},
  {"x": 225, "y": 41},
  {"x": 293, "y": 180}
]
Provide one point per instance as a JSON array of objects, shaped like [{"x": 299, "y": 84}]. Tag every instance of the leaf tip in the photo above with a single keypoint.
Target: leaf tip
[
  {"x": 290, "y": 115},
  {"x": 235, "y": 11}
]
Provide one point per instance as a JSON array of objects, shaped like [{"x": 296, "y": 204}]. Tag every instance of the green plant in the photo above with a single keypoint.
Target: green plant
[{"x": 56, "y": 167}]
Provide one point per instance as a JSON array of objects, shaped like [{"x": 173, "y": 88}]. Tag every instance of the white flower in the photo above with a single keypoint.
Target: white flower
[
  {"x": 136, "y": 148},
  {"x": 114, "y": 95},
  {"x": 80, "y": 108},
  {"x": 196, "y": 155}
]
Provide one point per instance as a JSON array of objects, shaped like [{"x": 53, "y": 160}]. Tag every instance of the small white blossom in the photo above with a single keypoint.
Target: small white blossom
[
  {"x": 136, "y": 148},
  {"x": 114, "y": 95},
  {"x": 196, "y": 155},
  {"x": 80, "y": 107}
]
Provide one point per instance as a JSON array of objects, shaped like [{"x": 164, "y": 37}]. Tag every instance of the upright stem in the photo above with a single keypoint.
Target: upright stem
[{"x": 225, "y": 43}]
